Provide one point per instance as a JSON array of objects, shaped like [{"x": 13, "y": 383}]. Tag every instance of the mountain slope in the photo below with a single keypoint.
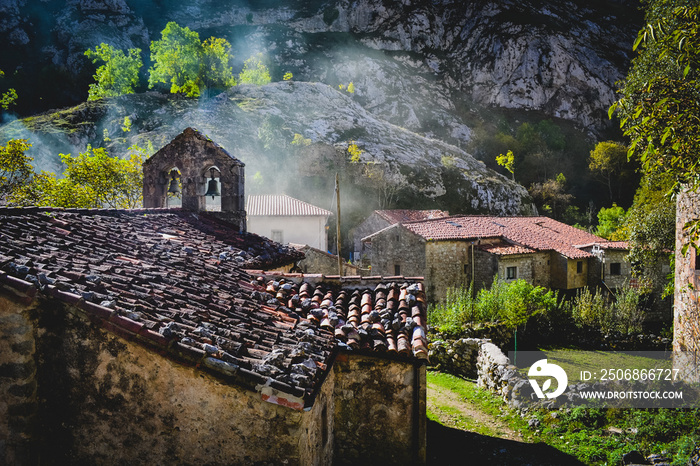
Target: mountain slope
[
  {"x": 427, "y": 66},
  {"x": 258, "y": 124}
]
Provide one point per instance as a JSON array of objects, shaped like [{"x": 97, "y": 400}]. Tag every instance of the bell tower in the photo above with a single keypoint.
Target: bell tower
[{"x": 198, "y": 174}]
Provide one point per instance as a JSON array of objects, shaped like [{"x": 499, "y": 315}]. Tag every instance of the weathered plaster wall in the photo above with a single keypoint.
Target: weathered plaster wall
[
  {"x": 375, "y": 411},
  {"x": 103, "y": 399},
  {"x": 295, "y": 229},
  {"x": 18, "y": 386},
  {"x": 686, "y": 318},
  {"x": 574, "y": 278}
]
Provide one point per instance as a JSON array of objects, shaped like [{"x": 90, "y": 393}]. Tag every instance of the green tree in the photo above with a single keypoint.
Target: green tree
[
  {"x": 119, "y": 73},
  {"x": 255, "y": 71},
  {"x": 9, "y": 97},
  {"x": 650, "y": 225},
  {"x": 507, "y": 161},
  {"x": 92, "y": 179},
  {"x": 15, "y": 167},
  {"x": 216, "y": 73},
  {"x": 660, "y": 105},
  {"x": 189, "y": 66},
  {"x": 177, "y": 60},
  {"x": 608, "y": 160},
  {"x": 551, "y": 196},
  {"x": 610, "y": 223}
]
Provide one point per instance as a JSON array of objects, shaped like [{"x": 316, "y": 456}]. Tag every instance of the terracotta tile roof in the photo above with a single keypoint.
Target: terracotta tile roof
[
  {"x": 619, "y": 245},
  {"x": 366, "y": 314},
  {"x": 505, "y": 249},
  {"x": 281, "y": 205},
  {"x": 175, "y": 281},
  {"x": 405, "y": 215},
  {"x": 537, "y": 233},
  {"x": 172, "y": 281}
]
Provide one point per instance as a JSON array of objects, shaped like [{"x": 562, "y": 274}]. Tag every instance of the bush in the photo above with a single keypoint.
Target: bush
[
  {"x": 511, "y": 303},
  {"x": 619, "y": 313}
]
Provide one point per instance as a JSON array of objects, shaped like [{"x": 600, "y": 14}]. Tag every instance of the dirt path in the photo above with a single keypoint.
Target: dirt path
[
  {"x": 455, "y": 411},
  {"x": 459, "y": 434}
]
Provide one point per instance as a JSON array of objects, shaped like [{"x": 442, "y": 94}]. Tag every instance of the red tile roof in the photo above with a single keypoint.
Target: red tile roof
[
  {"x": 175, "y": 281},
  {"x": 536, "y": 233},
  {"x": 367, "y": 314},
  {"x": 281, "y": 205},
  {"x": 503, "y": 249},
  {"x": 405, "y": 215}
]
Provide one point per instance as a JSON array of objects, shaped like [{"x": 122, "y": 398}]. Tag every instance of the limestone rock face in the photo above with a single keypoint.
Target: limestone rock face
[
  {"x": 257, "y": 124},
  {"x": 415, "y": 64}
]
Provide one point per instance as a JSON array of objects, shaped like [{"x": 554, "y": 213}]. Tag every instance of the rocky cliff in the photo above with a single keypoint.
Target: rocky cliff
[
  {"x": 426, "y": 66},
  {"x": 258, "y": 126}
]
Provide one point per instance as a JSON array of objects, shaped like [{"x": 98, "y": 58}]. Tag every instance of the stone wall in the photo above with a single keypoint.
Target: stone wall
[
  {"x": 319, "y": 262},
  {"x": 485, "y": 269},
  {"x": 73, "y": 393},
  {"x": 686, "y": 327},
  {"x": 478, "y": 358},
  {"x": 448, "y": 265},
  {"x": 379, "y": 408},
  {"x": 397, "y": 246},
  {"x": 372, "y": 224},
  {"x": 18, "y": 385}
]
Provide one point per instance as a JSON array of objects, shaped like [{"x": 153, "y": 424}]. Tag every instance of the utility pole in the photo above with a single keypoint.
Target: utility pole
[{"x": 337, "y": 224}]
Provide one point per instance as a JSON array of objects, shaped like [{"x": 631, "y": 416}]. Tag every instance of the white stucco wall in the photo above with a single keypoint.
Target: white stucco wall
[{"x": 310, "y": 230}]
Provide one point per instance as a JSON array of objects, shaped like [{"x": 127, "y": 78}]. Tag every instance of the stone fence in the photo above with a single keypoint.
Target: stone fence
[{"x": 480, "y": 359}]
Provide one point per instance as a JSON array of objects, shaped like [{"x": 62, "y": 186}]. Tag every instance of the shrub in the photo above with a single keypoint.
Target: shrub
[
  {"x": 621, "y": 312},
  {"x": 511, "y": 303}
]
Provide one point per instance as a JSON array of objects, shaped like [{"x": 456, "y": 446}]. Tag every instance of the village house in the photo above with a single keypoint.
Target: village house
[
  {"x": 316, "y": 261},
  {"x": 139, "y": 336},
  {"x": 454, "y": 251},
  {"x": 287, "y": 220},
  {"x": 381, "y": 219}
]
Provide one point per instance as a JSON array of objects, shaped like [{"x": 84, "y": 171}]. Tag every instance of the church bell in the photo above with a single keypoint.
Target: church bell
[{"x": 213, "y": 186}]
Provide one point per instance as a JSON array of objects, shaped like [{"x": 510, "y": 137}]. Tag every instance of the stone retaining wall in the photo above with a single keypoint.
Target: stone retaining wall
[{"x": 480, "y": 359}]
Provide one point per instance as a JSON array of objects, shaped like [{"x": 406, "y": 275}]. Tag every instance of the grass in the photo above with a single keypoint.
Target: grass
[
  {"x": 596, "y": 436},
  {"x": 475, "y": 398},
  {"x": 598, "y": 363}
]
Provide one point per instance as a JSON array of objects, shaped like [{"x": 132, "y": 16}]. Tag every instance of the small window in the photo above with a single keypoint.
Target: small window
[
  {"x": 277, "y": 236},
  {"x": 511, "y": 273},
  {"x": 397, "y": 269},
  {"x": 466, "y": 269},
  {"x": 579, "y": 267},
  {"x": 615, "y": 268}
]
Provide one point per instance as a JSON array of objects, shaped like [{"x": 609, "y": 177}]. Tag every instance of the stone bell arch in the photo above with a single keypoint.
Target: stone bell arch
[{"x": 194, "y": 155}]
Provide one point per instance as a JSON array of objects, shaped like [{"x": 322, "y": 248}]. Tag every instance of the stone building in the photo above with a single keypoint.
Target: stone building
[
  {"x": 138, "y": 336},
  {"x": 381, "y": 219},
  {"x": 192, "y": 164},
  {"x": 454, "y": 251},
  {"x": 686, "y": 307},
  {"x": 686, "y": 319},
  {"x": 316, "y": 261},
  {"x": 287, "y": 220}
]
